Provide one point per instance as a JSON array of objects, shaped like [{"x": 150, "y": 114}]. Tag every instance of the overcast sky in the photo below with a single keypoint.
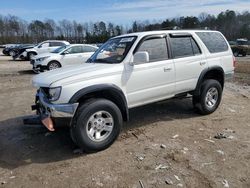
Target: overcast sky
[{"x": 118, "y": 11}]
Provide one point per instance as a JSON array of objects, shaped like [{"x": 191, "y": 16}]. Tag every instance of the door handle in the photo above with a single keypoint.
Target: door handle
[
  {"x": 167, "y": 69},
  {"x": 202, "y": 63}
]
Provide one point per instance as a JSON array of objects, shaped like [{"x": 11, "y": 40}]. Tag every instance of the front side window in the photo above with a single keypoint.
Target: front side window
[
  {"x": 184, "y": 47},
  {"x": 113, "y": 51},
  {"x": 75, "y": 50},
  {"x": 156, "y": 48}
]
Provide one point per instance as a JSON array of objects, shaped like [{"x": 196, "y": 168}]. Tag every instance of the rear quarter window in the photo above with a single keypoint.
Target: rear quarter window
[{"x": 214, "y": 41}]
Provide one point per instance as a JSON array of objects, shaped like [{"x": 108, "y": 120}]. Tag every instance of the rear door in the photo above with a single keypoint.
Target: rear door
[{"x": 189, "y": 61}]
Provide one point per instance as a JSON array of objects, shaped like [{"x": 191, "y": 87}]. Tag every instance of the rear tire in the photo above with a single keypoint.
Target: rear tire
[
  {"x": 97, "y": 124},
  {"x": 236, "y": 54},
  {"x": 210, "y": 97}
]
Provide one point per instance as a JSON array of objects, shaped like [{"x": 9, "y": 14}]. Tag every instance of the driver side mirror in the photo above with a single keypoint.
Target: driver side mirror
[
  {"x": 141, "y": 57},
  {"x": 65, "y": 53}
]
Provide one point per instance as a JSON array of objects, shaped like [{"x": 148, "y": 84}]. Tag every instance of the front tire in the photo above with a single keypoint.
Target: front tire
[
  {"x": 210, "y": 97},
  {"x": 97, "y": 124},
  {"x": 53, "y": 65}
]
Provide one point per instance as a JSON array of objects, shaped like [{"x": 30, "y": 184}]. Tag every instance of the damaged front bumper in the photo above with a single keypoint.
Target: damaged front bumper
[{"x": 49, "y": 111}]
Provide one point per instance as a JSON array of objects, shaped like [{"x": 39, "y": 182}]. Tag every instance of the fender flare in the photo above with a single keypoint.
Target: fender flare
[
  {"x": 202, "y": 75},
  {"x": 118, "y": 94}
]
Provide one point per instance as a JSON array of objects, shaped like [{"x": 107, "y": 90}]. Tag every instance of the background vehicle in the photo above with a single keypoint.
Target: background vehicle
[
  {"x": 62, "y": 56},
  {"x": 18, "y": 51},
  {"x": 130, "y": 71},
  {"x": 9, "y": 48},
  {"x": 43, "y": 47},
  {"x": 241, "y": 47}
]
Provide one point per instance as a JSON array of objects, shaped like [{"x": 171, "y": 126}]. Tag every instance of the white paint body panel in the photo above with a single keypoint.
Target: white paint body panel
[{"x": 143, "y": 83}]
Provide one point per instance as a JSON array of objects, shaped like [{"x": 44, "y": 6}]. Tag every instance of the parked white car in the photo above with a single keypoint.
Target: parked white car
[
  {"x": 130, "y": 71},
  {"x": 43, "y": 47},
  {"x": 66, "y": 55}
]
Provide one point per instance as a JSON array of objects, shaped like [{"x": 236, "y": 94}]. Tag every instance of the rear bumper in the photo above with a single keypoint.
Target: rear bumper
[{"x": 229, "y": 76}]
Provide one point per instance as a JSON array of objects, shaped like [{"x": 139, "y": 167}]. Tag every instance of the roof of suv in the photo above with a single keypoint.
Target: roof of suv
[{"x": 141, "y": 34}]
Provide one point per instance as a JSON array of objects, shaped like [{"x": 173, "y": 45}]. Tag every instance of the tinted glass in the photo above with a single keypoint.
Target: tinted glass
[
  {"x": 196, "y": 49},
  {"x": 53, "y": 44},
  {"x": 183, "y": 47},
  {"x": 213, "y": 41},
  {"x": 156, "y": 48},
  {"x": 75, "y": 50},
  {"x": 89, "y": 49}
]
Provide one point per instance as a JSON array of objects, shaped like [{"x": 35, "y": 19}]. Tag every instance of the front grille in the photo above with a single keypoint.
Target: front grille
[{"x": 45, "y": 91}]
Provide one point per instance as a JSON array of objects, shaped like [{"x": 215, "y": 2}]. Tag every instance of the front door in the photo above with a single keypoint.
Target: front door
[
  {"x": 72, "y": 56},
  {"x": 154, "y": 80}
]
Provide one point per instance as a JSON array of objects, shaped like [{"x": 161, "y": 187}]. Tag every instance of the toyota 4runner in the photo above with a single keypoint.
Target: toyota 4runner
[{"x": 130, "y": 71}]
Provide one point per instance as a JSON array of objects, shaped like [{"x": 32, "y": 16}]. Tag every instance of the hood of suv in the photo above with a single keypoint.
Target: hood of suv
[{"x": 72, "y": 74}]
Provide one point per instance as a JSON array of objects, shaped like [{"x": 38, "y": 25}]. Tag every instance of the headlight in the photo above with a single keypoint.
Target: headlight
[
  {"x": 54, "y": 93},
  {"x": 42, "y": 58}
]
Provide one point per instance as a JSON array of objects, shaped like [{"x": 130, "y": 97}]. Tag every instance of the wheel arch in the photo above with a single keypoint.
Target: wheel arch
[
  {"x": 33, "y": 52},
  {"x": 53, "y": 60},
  {"x": 216, "y": 73},
  {"x": 107, "y": 91}
]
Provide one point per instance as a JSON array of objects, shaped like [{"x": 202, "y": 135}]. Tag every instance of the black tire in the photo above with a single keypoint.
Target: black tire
[
  {"x": 12, "y": 53},
  {"x": 236, "y": 54},
  {"x": 244, "y": 54},
  {"x": 203, "y": 105},
  {"x": 30, "y": 55},
  {"x": 80, "y": 125},
  {"x": 53, "y": 65}
]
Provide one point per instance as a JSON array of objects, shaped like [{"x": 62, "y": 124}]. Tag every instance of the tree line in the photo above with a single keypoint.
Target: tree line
[{"x": 16, "y": 30}]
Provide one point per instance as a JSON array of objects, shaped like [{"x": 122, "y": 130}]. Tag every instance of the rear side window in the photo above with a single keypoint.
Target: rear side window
[
  {"x": 184, "y": 47},
  {"x": 89, "y": 49},
  {"x": 75, "y": 50},
  {"x": 53, "y": 44},
  {"x": 156, "y": 48},
  {"x": 214, "y": 41}
]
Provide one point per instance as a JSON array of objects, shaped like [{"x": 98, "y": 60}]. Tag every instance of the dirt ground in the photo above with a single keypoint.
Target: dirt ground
[{"x": 164, "y": 143}]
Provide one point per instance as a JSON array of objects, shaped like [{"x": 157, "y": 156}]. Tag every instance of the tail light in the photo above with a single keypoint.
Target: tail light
[{"x": 234, "y": 61}]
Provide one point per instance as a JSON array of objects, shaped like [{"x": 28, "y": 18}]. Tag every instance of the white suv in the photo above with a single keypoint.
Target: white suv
[
  {"x": 43, "y": 47},
  {"x": 65, "y": 55},
  {"x": 129, "y": 71}
]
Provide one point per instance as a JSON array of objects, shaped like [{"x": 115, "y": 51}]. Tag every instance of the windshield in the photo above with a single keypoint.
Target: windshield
[
  {"x": 113, "y": 51},
  {"x": 60, "y": 49}
]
